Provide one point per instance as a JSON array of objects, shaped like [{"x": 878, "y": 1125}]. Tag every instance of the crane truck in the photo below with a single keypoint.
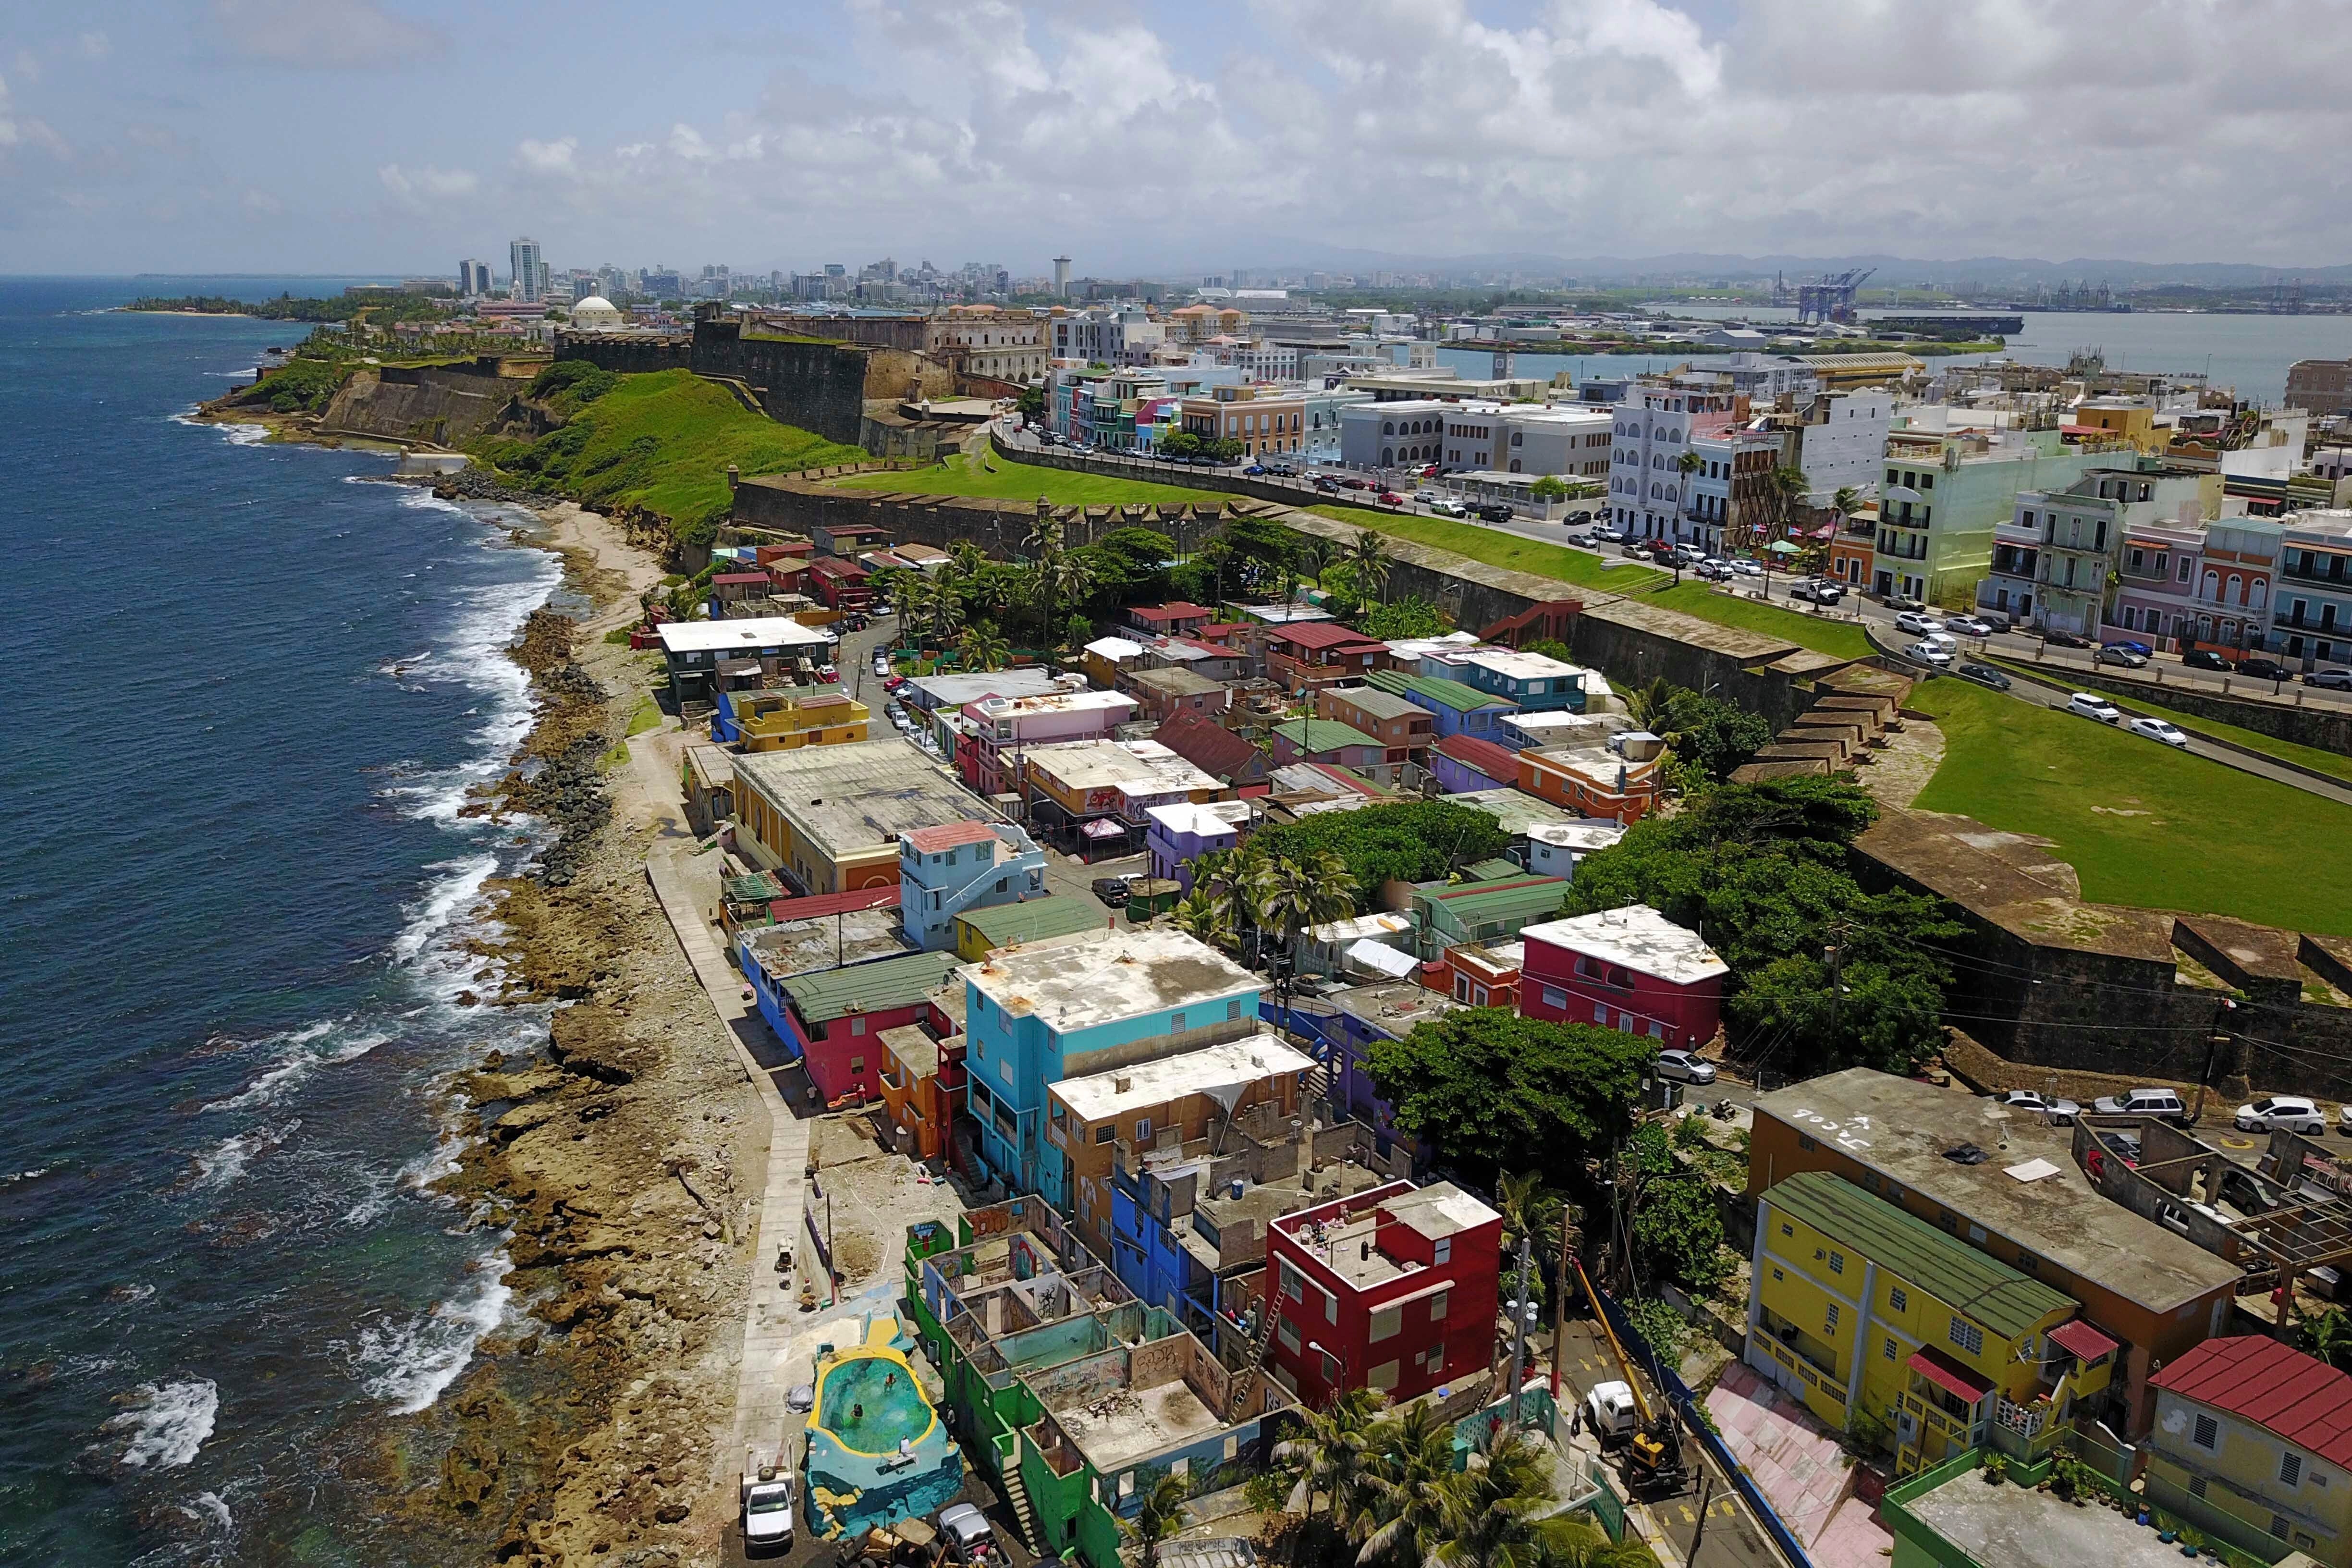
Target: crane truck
[{"x": 1622, "y": 1417}]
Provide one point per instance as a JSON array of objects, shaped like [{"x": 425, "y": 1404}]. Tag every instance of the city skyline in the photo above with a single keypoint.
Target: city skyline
[{"x": 373, "y": 135}]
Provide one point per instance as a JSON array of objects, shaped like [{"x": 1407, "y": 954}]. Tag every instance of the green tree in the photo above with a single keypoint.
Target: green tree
[
  {"x": 1787, "y": 487},
  {"x": 981, "y": 647},
  {"x": 1676, "y": 1229},
  {"x": 1260, "y": 541},
  {"x": 2329, "y": 1337},
  {"x": 1498, "y": 1514},
  {"x": 1489, "y": 1089},
  {"x": 1288, "y": 897},
  {"x": 1407, "y": 1481},
  {"x": 1159, "y": 1515},
  {"x": 1332, "y": 1451},
  {"x": 1551, "y": 486},
  {"x": 1368, "y": 556},
  {"x": 1409, "y": 841},
  {"x": 1132, "y": 565},
  {"x": 1204, "y": 917},
  {"x": 1412, "y": 616},
  {"x": 1179, "y": 444},
  {"x": 1031, "y": 404},
  {"x": 1714, "y": 735}
]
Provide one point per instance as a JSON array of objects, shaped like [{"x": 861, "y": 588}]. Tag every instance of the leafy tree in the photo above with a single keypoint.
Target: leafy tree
[
  {"x": 1333, "y": 1450},
  {"x": 980, "y": 648},
  {"x": 1678, "y": 1231},
  {"x": 1411, "y": 841},
  {"x": 1078, "y": 632},
  {"x": 1224, "y": 449},
  {"x": 1260, "y": 540},
  {"x": 1408, "y": 617},
  {"x": 1489, "y": 1089},
  {"x": 1498, "y": 1513},
  {"x": 1131, "y": 564},
  {"x": 1031, "y": 404},
  {"x": 1551, "y": 486},
  {"x": 2329, "y": 1337},
  {"x": 1179, "y": 444},
  {"x": 1714, "y": 735},
  {"x": 1406, "y": 1485},
  {"x": 1160, "y": 1516}
]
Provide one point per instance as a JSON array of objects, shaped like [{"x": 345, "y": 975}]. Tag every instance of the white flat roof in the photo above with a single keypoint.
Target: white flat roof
[
  {"x": 1284, "y": 615},
  {"x": 1049, "y": 702},
  {"x": 1077, "y": 985},
  {"x": 730, "y": 637},
  {"x": 1382, "y": 959},
  {"x": 1569, "y": 725},
  {"x": 1200, "y": 819},
  {"x": 955, "y": 690},
  {"x": 1233, "y": 1066},
  {"x": 1520, "y": 666},
  {"x": 1380, "y": 922},
  {"x": 1144, "y": 767},
  {"x": 1115, "y": 648},
  {"x": 1637, "y": 937},
  {"x": 1599, "y": 833}
]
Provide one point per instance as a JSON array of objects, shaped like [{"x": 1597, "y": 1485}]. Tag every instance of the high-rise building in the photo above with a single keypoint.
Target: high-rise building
[
  {"x": 473, "y": 279},
  {"x": 1061, "y": 275},
  {"x": 529, "y": 272}
]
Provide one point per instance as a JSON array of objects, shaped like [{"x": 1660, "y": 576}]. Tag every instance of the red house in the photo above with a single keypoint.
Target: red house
[
  {"x": 832, "y": 1019},
  {"x": 1172, "y": 620},
  {"x": 1307, "y": 656},
  {"x": 840, "y": 585},
  {"x": 1629, "y": 969},
  {"x": 1392, "y": 1289}
]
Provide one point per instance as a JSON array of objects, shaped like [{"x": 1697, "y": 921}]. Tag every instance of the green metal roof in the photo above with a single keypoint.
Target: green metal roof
[
  {"x": 1033, "y": 920},
  {"x": 1313, "y": 735},
  {"x": 1451, "y": 694},
  {"x": 1493, "y": 870},
  {"x": 1380, "y": 704},
  {"x": 1482, "y": 903},
  {"x": 900, "y": 982},
  {"x": 1996, "y": 1296}
]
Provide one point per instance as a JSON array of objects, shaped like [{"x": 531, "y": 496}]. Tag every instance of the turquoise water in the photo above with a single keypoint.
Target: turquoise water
[{"x": 893, "y": 1408}]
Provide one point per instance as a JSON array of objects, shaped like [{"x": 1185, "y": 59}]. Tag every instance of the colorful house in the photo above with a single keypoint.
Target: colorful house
[
  {"x": 1095, "y": 793},
  {"x": 1392, "y": 1289},
  {"x": 1479, "y": 973},
  {"x": 1326, "y": 741},
  {"x": 1178, "y": 619},
  {"x": 832, "y": 1020},
  {"x": 1403, "y": 728},
  {"x": 1183, "y": 833},
  {"x": 840, "y": 585},
  {"x": 1307, "y": 655},
  {"x": 783, "y": 719},
  {"x": 1906, "y": 1337},
  {"x": 1484, "y": 911},
  {"x": 1591, "y": 781},
  {"x": 1170, "y": 689},
  {"x": 1005, "y": 728},
  {"x": 982, "y": 932},
  {"x": 1534, "y": 681},
  {"x": 1463, "y": 764},
  {"x": 922, "y": 1083},
  {"x": 1229, "y": 758},
  {"x": 1630, "y": 969},
  {"x": 2253, "y": 1443},
  {"x": 1036, "y": 1016},
  {"x": 1456, "y": 708},
  {"x": 958, "y": 867}
]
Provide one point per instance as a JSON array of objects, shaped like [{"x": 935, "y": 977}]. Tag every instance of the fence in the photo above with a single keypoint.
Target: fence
[{"x": 1684, "y": 1403}]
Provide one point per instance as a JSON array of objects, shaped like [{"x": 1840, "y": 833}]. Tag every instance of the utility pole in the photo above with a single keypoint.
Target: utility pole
[
  {"x": 2213, "y": 1044},
  {"x": 1519, "y": 1332},
  {"x": 1559, "y": 1292},
  {"x": 1706, "y": 1495}
]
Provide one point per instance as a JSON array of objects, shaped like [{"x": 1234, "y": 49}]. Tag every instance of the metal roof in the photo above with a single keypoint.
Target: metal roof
[
  {"x": 2256, "y": 1378},
  {"x": 1032, "y": 919},
  {"x": 1475, "y": 903},
  {"x": 1312, "y": 736},
  {"x": 900, "y": 982},
  {"x": 1429, "y": 688},
  {"x": 1992, "y": 1293}
]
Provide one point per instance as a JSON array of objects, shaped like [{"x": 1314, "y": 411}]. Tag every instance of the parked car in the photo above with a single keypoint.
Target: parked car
[
  {"x": 1928, "y": 652},
  {"x": 2288, "y": 1112},
  {"x": 1431, "y": 471},
  {"x": 1355, "y": 484},
  {"x": 1743, "y": 567},
  {"x": 1682, "y": 1065},
  {"x": 1582, "y": 541},
  {"x": 1327, "y": 484},
  {"x": 2332, "y": 680},
  {"x": 1111, "y": 890},
  {"x": 2158, "y": 1102},
  {"x": 1446, "y": 505},
  {"x": 881, "y": 664},
  {"x": 1714, "y": 571},
  {"x": 1983, "y": 674},
  {"x": 1492, "y": 512},
  {"x": 2129, "y": 645},
  {"x": 2204, "y": 659},
  {"x": 2264, "y": 669},
  {"x": 1607, "y": 534},
  {"x": 2065, "y": 640},
  {"x": 1820, "y": 590},
  {"x": 1904, "y": 602},
  {"x": 2090, "y": 705},
  {"x": 2158, "y": 730},
  {"x": 1390, "y": 498},
  {"x": 964, "y": 1532},
  {"x": 1426, "y": 497},
  {"x": 1254, "y": 469},
  {"x": 895, "y": 682},
  {"x": 828, "y": 672},
  {"x": 1916, "y": 623},
  {"x": 1968, "y": 626},
  {"x": 2056, "y": 1107},
  {"x": 2116, "y": 654},
  {"x": 1281, "y": 471}
]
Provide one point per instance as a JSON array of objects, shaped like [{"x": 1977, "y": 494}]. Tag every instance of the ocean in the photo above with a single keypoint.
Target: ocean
[{"x": 253, "y": 692}]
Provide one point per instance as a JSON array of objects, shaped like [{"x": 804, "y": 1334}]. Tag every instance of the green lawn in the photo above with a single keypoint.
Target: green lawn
[
  {"x": 1497, "y": 548},
  {"x": 2332, "y": 763},
  {"x": 1843, "y": 639},
  {"x": 1026, "y": 482},
  {"x": 2141, "y": 823}
]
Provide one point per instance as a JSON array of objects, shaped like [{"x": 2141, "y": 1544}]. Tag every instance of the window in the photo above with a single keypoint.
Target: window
[
  {"x": 1805, "y": 1143},
  {"x": 2207, "y": 1434},
  {"x": 1382, "y": 1377},
  {"x": 1175, "y": 1023},
  {"x": 1442, "y": 1250},
  {"x": 1291, "y": 1286},
  {"x": 1777, "y": 1275},
  {"x": 1601, "y": 1013},
  {"x": 1443, "y": 1302},
  {"x": 1103, "y": 1133},
  {"x": 1386, "y": 1321},
  {"x": 1787, "y": 1229},
  {"x": 1899, "y": 1299},
  {"x": 1830, "y": 1320},
  {"x": 2197, "y": 1485},
  {"x": 2290, "y": 1472},
  {"x": 1330, "y": 1310},
  {"x": 2279, "y": 1526},
  {"x": 1837, "y": 1262},
  {"x": 1967, "y": 1336},
  {"x": 1232, "y": 1010},
  {"x": 1142, "y": 1130},
  {"x": 856, "y": 1064},
  {"x": 1887, "y": 1350}
]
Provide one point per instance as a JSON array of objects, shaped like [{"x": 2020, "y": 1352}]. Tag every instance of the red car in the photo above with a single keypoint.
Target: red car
[
  {"x": 895, "y": 682},
  {"x": 1355, "y": 484},
  {"x": 1390, "y": 498},
  {"x": 1430, "y": 472}
]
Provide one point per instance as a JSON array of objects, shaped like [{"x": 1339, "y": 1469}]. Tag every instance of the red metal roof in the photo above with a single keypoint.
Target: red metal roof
[
  {"x": 1498, "y": 762},
  {"x": 1324, "y": 635},
  {"x": 2299, "y": 1397},
  {"x": 835, "y": 566},
  {"x": 949, "y": 835},
  {"x": 818, "y": 905},
  {"x": 1952, "y": 1378},
  {"x": 740, "y": 578},
  {"x": 1179, "y": 611},
  {"x": 2078, "y": 1339},
  {"x": 1206, "y": 744}
]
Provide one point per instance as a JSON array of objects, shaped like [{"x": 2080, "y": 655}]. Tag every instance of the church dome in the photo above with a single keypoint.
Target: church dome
[{"x": 596, "y": 304}]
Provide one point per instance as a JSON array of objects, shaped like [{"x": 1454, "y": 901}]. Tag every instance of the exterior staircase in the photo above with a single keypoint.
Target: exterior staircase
[
  {"x": 1551, "y": 618},
  {"x": 1253, "y": 1367},
  {"x": 1016, "y": 1495}
]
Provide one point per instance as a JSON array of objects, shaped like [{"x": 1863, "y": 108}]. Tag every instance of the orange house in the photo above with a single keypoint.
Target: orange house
[
  {"x": 1591, "y": 781},
  {"x": 922, "y": 1078}
]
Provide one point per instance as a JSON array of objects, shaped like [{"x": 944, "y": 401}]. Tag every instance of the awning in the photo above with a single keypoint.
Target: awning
[
  {"x": 1102, "y": 827},
  {"x": 1951, "y": 1379},
  {"x": 1382, "y": 959},
  {"x": 2081, "y": 1341}
]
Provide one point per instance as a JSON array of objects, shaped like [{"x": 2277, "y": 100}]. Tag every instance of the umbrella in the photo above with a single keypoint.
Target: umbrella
[{"x": 1781, "y": 547}]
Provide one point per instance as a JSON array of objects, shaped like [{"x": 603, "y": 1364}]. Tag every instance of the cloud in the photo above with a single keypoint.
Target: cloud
[
  {"x": 330, "y": 34},
  {"x": 548, "y": 157},
  {"x": 261, "y": 204},
  {"x": 24, "y": 130},
  {"x": 421, "y": 187},
  {"x": 94, "y": 46}
]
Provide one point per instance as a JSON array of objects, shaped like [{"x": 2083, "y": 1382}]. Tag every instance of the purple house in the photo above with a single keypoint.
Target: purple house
[
  {"x": 1183, "y": 833},
  {"x": 1464, "y": 763}
]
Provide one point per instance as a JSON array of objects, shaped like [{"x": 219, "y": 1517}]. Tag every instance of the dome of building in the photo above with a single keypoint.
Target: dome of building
[{"x": 596, "y": 312}]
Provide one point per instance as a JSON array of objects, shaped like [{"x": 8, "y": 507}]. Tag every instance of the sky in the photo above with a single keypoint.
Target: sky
[{"x": 396, "y": 136}]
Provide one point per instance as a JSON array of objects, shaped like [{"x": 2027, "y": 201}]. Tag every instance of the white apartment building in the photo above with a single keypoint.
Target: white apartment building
[
  {"x": 1568, "y": 439},
  {"x": 1651, "y": 429},
  {"x": 526, "y": 270},
  {"x": 1384, "y": 435},
  {"x": 1125, "y": 336},
  {"x": 1842, "y": 445}
]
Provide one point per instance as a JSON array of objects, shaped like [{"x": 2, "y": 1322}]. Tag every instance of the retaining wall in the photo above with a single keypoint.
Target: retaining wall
[{"x": 2327, "y": 729}]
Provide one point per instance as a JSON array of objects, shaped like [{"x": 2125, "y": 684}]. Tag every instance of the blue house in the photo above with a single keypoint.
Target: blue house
[
  {"x": 1459, "y": 709},
  {"x": 1037, "y": 1014},
  {"x": 1535, "y": 682},
  {"x": 1342, "y": 1030},
  {"x": 956, "y": 868}
]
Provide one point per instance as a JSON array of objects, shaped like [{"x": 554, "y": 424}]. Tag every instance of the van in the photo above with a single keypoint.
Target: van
[{"x": 2161, "y": 1103}]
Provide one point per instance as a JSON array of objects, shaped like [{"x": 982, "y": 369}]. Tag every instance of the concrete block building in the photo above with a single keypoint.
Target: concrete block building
[
  {"x": 1629, "y": 969},
  {"x": 958, "y": 867},
  {"x": 2252, "y": 1440}
]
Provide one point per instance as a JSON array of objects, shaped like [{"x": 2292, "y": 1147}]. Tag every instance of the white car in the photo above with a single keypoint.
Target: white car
[
  {"x": 1444, "y": 505},
  {"x": 1917, "y": 624},
  {"x": 2095, "y": 707},
  {"x": 1681, "y": 1064},
  {"x": 1608, "y": 535},
  {"x": 2158, "y": 730},
  {"x": 1426, "y": 497},
  {"x": 2281, "y": 1112},
  {"x": 1928, "y": 652},
  {"x": 1744, "y": 567},
  {"x": 1968, "y": 626},
  {"x": 2056, "y": 1107}
]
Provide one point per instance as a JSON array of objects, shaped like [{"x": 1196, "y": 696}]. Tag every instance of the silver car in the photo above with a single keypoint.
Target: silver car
[
  {"x": 2056, "y": 1108},
  {"x": 1681, "y": 1064},
  {"x": 2287, "y": 1113}
]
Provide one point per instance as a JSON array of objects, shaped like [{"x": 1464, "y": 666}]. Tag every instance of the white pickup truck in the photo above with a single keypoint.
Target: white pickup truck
[{"x": 767, "y": 1498}]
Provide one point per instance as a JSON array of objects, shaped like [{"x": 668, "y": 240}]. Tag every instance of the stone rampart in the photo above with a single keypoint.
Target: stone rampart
[{"x": 434, "y": 404}]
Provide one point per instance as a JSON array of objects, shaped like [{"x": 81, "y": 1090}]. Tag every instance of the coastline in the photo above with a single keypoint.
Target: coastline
[{"x": 622, "y": 1160}]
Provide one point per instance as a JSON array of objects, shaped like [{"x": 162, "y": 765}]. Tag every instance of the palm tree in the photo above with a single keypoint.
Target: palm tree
[
  {"x": 981, "y": 648},
  {"x": 1847, "y": 500},
  {"x": 1069, "y": 578},
  {"x": 1044, "y": 536},
  {"x": 1787, "y": 487},
  {"x": 967, "y": 557},
  {"x": 1371, "y": 560},
  {"x": 1405, "y": 1486},
  {"x": 2331, "y": 1337},
  {"x": 1646, "y": 705},
  {"x": 1288, "y": 896},
  {"x": 1333, "y": 1451},
  {"x": 945, "y": 604},
  {"x": 1160, "y": 1516},
  {"x": 1313, "y": 555},
  {"x": 1207, "y": 918},
  {"x": 1494, "y": 1515}
]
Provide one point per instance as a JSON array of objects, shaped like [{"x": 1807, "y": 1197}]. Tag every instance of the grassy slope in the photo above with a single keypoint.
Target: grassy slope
[
  {"x": 2141, "y": 823},
  {"x": 2332, "y": 763},
  {"x": 695, "y": 429},
  {"x": 1842, "y": 638},
  {"x": 1026, "y": 483},
  {"x": 1497, "y": 548}
]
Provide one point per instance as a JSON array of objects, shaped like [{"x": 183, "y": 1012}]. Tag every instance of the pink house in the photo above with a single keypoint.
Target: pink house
[{"x": 1629, "y": 969}]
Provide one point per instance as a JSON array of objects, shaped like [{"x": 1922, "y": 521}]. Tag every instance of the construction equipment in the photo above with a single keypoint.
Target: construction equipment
[
  {"x": 1653, "y": 1454},
  {"x": 1831, "y": 298}
]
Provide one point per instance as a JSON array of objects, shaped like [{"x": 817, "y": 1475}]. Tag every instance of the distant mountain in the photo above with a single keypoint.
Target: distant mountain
[{"x": 1308, "y": 255}]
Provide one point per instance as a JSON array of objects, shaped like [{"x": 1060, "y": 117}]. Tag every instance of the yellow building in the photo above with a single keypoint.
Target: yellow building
[
  {"x": 784, "y": 720},
  {"x": 1905, "y": 1336},
  {"x": 2252, "y": 1444},
  {"x": 2121, "y": 419}
]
